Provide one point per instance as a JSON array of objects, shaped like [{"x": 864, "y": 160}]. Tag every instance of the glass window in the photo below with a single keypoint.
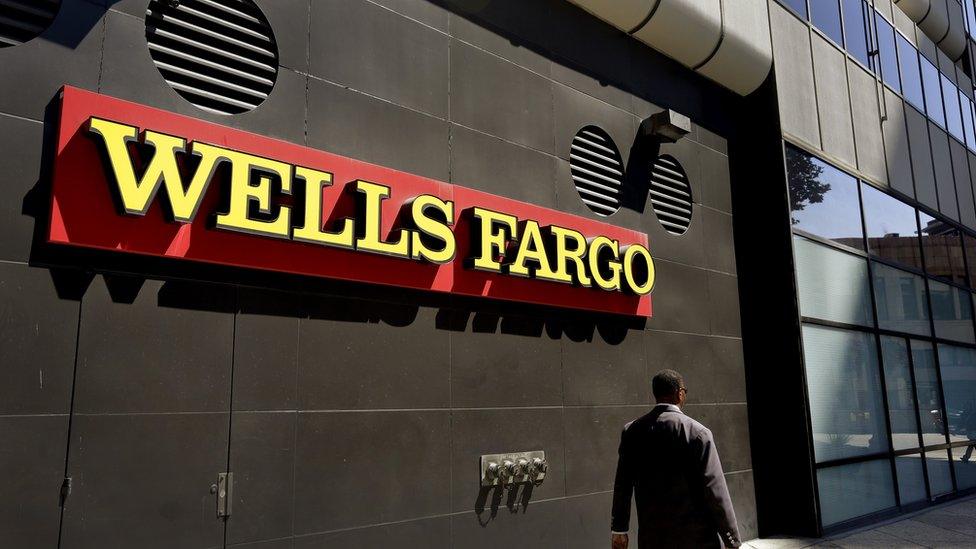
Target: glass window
[
  {"x": 932, "y": 85},
  {"x": 892, "y": 228},
  {"x": 967, "y": 119},
  {"x": 823, "y": 199},
  {"x": 959, "y": 382},
  {"x": 970, "y": 243},
  {"x": 855, "y": 490},
  {"x": 825, "y": 15},
  {"x": 940, "y": 479},
  {"x": 911, "y": 78},
  {"x": 911, "y": 478},
  {"x": 799, "y": 6},
  {"x": 953, "y": 114},
  {"x": 942, "y": 249},
  {"x": 970, "y": 18},
  {"x": 929, "y": 397},
  {"x": 888, "y": 52},
  {"x": 901, "y": 301},
  {"x": 855, "y": 37},
  {"x": 964, "y": 462},
  {"x": 952, "y": 312},
  {"x": 844, "y": 386},
  {"x": 833, "y": 285},
  {"x": 901, "y": 393}
]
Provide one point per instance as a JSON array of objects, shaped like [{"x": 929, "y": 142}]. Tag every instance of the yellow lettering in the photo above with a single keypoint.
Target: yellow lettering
[
  {"x": 630, "y": 254},
  {"x": 431, "y": 227},
  {"x": 372, "y": 221},
  {"x": 566, "y": 256},
  {"x": 531, "y": 248},
  {"x": 491, "y": 238},
  {"x": 311, "y": 231},
  {"x": 597, "y": 245},
  {"x": 163, "y": 169},
  {"x": 250, "y": 182}
]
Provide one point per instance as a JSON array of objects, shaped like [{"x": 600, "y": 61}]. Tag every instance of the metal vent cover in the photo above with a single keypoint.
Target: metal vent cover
[
  {"x": 671, "y": 194},
  {"x": 598, "y": 171},
  {"x": 220, "y": 55},
  {"x": 22, "y": 20}
]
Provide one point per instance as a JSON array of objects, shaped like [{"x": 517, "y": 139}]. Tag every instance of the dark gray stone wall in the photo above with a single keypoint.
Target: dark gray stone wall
[{"x": 354, "y": 416}]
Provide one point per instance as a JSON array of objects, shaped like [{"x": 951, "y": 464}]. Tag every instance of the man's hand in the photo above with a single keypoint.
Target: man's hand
[{"x": 619, "y": 541}]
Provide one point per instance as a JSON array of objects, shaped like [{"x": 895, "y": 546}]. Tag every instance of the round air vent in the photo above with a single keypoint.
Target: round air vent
[
  {"x": 597, "y": 170},
  {"x": 670, "y": 194},
  {"x": 219, "y": 55},
  {"x": 22, "y": 20}
]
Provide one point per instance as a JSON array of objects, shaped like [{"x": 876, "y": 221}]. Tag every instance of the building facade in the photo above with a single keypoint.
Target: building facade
[{"x": 801, "y": 173}]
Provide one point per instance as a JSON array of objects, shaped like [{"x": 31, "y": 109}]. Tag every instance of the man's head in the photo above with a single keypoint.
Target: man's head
[{"x": 669, "y": 388}]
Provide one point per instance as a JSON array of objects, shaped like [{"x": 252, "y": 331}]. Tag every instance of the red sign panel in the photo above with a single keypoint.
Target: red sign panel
[{"x": 136, "y": 179}]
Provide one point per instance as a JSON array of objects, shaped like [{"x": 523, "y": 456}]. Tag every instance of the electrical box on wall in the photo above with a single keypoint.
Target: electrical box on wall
[{"x": 513, "y": 468}]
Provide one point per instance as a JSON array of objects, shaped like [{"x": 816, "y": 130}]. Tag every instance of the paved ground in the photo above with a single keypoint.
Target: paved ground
[{"x": 951, "y": 525}]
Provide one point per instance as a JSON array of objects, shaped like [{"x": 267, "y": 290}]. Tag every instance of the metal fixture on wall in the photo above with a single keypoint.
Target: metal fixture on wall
[
  {"x": 220, "y": 55},
  {"x": 512, "y": 469},
  {"x": 22, "y": 20},
  {"x": 597, "y": 170},
  {"x": 667, "y": 126}
]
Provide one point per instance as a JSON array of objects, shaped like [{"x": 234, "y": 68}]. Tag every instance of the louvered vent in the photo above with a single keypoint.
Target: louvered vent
[
  {"x": 219, "y": 55},
  {"x": 21, "y": 20},
  {"x": 597, "y": 170},
  {"x": 671, "y": 195}
]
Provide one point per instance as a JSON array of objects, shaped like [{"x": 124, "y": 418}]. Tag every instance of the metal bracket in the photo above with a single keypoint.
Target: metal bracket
[
  {"x": 513, "y": 468},
  {"x": 225, "y": 494}
]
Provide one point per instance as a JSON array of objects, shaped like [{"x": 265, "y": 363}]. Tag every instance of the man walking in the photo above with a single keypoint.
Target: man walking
[{"x": 668, "y": 461}]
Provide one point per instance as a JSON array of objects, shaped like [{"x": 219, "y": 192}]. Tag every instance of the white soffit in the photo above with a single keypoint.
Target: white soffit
[{"x": 724, "y": 40}]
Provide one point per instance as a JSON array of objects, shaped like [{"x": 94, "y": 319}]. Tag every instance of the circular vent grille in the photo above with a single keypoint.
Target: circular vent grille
[
  {"x": 671, "y": 195},
  {"x": 219, "y": 55},
  {"x": 21, "y": 20},
  {"x": 597, "y": 170}
]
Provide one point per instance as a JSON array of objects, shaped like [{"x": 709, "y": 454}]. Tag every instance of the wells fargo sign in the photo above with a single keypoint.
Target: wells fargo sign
[{"x": 136, "y": 179}]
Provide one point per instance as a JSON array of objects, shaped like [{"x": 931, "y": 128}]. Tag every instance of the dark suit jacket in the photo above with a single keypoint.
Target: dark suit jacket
[{"x": 668, "y": 461}]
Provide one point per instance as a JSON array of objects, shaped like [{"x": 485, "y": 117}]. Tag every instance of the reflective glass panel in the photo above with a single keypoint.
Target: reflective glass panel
[
  {"x": 929, "y": 397},
  {"x": 833, "y": 285},
  {"x": 823, "y": 199},
  {"x": 911, "y": 77},
  {"x": 967, "y": 119},
  {"x": 970, "y": 18},
  {"x": 964, "y": 462},
  {"x": 932, "y": 85},
  {"x": 892, "y": 228},
  {"x": 844, "y": 386},
  {"x": 911, "y": 478},
  {"x": 901, "y": 393},
  {"x": 970, "y": 243},
  {"x": 942, "y": 249},
  {"x": 901, "y": 300},
  {"x": 855, "y": 490},
  {"x": 959, "y": 383},
  {"x": 825, "y": 15},
  {"x": 952, "y": 312},
  {"x": 940, "y": 479},
  {"x": 798, "y": 6},
  {"x": 855, "y": 39},
  {"x": 889, "y": 54},
  {"x": 953, "y": 114}
]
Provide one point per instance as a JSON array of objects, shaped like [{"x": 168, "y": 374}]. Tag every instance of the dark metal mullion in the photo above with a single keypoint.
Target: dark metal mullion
[
  {"x": 880, "y": 355},
  {"x": 918, "y": 416},
  {"x": 812, "y": 455}
]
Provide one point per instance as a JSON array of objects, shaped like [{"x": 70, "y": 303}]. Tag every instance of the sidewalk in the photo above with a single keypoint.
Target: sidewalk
[{"x": 952, "y": 525}]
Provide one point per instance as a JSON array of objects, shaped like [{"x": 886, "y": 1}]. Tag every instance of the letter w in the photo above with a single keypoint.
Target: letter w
[{"x": 163, "y": 169}]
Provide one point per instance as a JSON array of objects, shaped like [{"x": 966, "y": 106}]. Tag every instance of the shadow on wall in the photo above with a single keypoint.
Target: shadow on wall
[{"x": 567, "y": 35}]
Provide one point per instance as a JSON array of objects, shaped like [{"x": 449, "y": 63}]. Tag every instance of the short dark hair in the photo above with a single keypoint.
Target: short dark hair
[{"x": 667, "y": 383}]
